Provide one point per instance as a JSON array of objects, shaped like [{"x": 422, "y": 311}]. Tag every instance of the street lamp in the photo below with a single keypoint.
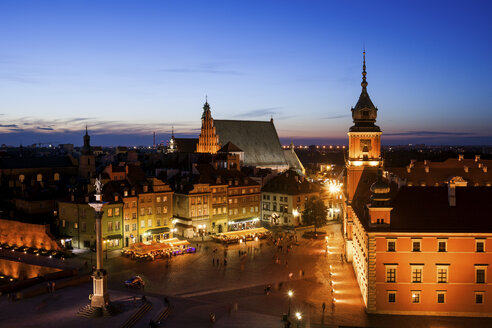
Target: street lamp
[
  {"x": 299, "y": 317},
  {"x": 290, "y": 293}
]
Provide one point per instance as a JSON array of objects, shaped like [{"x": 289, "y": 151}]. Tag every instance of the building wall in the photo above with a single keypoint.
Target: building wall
[
  {"x": 27, "y": 234},
  {"x": 461, "y": 259}
]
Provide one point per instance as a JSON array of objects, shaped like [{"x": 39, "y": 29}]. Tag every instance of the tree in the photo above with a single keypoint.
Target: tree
[{"x": 315, "y": 212}]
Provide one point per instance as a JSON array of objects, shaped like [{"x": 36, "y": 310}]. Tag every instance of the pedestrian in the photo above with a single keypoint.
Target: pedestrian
[
  {"x": 48, "y": 286},
  {"x": 225, "y": 262},
  {"x": 213, "y": 261},
  {"x": 323, "y": 307},
  {"x": 53, "y": 286}
]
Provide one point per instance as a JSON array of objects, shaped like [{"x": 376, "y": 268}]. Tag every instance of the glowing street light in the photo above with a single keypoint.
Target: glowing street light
[{"x": 290, "y": 293}]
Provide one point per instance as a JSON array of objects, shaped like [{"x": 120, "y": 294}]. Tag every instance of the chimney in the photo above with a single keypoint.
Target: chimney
[
  {"x": 461, "y": 157},
  {"x": 426, "y": 169},
  {"x": 477, "y": 158},
  {"x": 465, "y": 168},
  {"x": 452, "y": 194}
]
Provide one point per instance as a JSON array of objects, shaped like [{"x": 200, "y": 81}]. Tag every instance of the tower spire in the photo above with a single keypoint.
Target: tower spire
[
  {"x": 86, "y": 130},
  {"x": 364, "y": 82},
  {"x": 172, "y": 132}
]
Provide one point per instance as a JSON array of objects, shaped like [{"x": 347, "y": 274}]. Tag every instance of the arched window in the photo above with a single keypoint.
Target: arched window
[{"x": 21, "y": 178}]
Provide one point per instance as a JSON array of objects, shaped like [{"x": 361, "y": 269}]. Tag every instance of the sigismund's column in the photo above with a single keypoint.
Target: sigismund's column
[{"x": 100, "y": 296}]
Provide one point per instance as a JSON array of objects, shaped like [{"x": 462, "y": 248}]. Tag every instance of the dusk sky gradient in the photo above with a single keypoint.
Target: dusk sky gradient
[{"x": 128, "y": 68}]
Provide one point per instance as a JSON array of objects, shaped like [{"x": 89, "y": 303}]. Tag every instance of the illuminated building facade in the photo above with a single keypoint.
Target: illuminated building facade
[{"x": 417, "y": 248}]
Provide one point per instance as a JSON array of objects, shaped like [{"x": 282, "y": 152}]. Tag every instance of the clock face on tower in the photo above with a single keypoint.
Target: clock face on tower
[{"x": 365, "y": 145}]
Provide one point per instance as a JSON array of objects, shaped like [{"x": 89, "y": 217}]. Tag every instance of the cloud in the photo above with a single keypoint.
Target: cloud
[
  {"x": 429, "y": 133},
  {"x": 8, "y": 125},
  {"x": 335, "y": 117},
  {"x": 270, "y": 111},
  {"x": 45, "y": 128},
  {"x": 205, "y": 68}
]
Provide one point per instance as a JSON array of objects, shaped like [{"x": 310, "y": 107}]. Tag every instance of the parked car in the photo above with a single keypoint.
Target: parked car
[{"x": 135, "y": 281}]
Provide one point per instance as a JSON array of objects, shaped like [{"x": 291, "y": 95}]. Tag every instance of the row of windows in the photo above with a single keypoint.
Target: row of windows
[
  {"x": 442, "y": 245},
  {"x": 39, "y": 177},
  {"x": 440, "y": 296},
  {"x": 442, "y": 273},
  {"x": 127, "y": 227},
  {"x": 281, "y": 198},
  {"x": 159, "y": 210},
  {"x": 149, "y": 223},
  {"x": 243, "y": 191},
  {"x": 244, "y": 210},
  {"x": 158, "y": 199},
  {"x": 243, "y": 200}
]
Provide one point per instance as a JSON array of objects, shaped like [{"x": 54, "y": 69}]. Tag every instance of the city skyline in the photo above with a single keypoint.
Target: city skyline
[{"x": 127, "y": 70}]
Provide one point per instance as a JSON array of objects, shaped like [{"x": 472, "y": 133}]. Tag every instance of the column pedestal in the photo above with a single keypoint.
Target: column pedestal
[{"x": 100, "y": 297}]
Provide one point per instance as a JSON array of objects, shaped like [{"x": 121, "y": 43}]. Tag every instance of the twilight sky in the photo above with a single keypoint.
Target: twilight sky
[{"x": 128, "y": 68}]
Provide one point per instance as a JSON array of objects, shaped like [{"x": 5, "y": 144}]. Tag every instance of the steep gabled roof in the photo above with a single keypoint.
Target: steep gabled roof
[
  {"x": 258, "y": 140},
  {"x": 229, "y": 148}
]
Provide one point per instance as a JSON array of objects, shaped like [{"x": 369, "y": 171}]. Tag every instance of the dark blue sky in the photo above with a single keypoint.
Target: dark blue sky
[{"x": 128, "y": 68}]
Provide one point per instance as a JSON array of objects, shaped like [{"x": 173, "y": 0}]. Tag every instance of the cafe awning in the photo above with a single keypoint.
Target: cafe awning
[
  {"x": 157, "y": 231},
  {"x": 111, "y": 237}
]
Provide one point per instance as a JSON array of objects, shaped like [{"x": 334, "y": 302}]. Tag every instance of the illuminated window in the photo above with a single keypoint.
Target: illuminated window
[
  {"x": 56, "y": 177},
  {"x": 391, "y": 296},
  {"x": 21, "y": 178},
  {"x": 164, "y": 209},
  {"x": 117, "y": 211},
  {"x": 391, "y": 245},
  {"x": 149, "y": 211},
  {"x": 442, "y": 274},
  {"x": 63, "y": 223},
  {"x": 441, "y": 296},
  {"x": 142, "y": 211},
  {"x": 116, "y": 225},
  {"x": 415, "y": 245},
  {"x": 39, "y": 177},
  {"x": 75, "y": 225},
  {"x": 110, "y": 226},
  {"x": 417, "y": 274},
  {"x": 110, "y": 212},
  {"x": 479, "y": 297},
  {"x": 480, "y": 245},
  {"x": 442, "y": 246},
  {"x": 149, "y": 223},
  {"x": 415, "y": 296},
  {"x": 480, "y": 274},
  {"x": 158, "y": 199},
  {"x": 390, "y": 273},
  {"x": 142, "y": 224}
]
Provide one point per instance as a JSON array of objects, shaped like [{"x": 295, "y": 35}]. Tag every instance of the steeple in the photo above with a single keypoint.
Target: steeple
[
  {"x": 364, "y": 113},
  {"x": 86, "y": 149},
  {"x": 206, "y": 108}
]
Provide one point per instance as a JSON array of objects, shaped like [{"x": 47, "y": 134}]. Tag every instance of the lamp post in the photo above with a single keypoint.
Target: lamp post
[
  {"x": 290, "y": 293},
  {"x": 298, "y": 317}
]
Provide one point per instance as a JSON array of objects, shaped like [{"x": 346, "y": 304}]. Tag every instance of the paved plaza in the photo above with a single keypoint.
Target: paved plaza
[{"x": 196, "y": 286}]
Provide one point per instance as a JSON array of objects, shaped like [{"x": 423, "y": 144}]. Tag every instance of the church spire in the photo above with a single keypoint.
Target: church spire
[{"x": 364, "y": 82}]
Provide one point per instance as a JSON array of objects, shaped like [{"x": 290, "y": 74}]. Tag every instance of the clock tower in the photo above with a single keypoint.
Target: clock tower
[
  {"x": 364, "y": 153},
  {"x": 364, "y": 138}
]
